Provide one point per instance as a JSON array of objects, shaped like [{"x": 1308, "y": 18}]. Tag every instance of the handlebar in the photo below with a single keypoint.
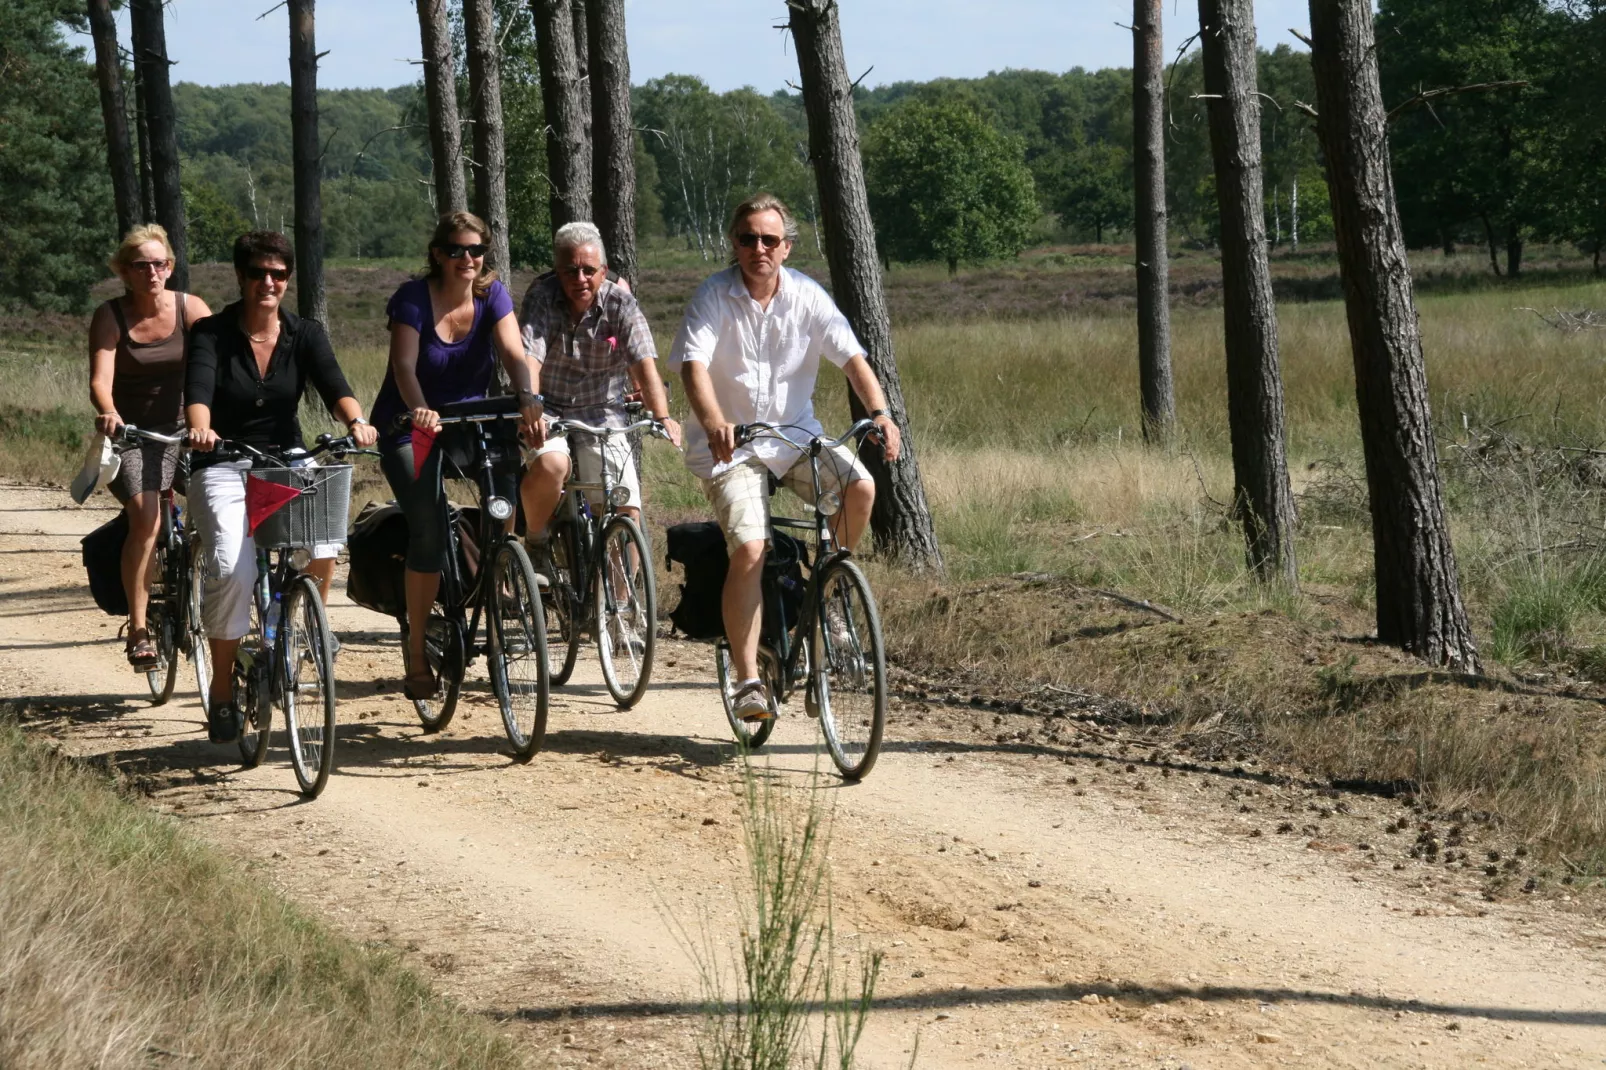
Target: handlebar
[
  {"x": 746, "y": 433},
  {"x": 343, "y": 446},
  {"x": 128, "y": 436},
  {"x": 563, "y": 427}
]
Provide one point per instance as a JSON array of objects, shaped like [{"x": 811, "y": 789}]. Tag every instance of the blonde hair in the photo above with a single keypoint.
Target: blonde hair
[
  {"x": 450, "y": 224},
  {"x": 138, "y": 235}
]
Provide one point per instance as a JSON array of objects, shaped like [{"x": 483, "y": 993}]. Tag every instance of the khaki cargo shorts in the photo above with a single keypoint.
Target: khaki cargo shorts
[
  {"x": 586, "y": 459},
  {"x": 740, "y": 495}
]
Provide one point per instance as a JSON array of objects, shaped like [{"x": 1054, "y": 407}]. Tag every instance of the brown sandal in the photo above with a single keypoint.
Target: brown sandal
[
  {"x": 142, "y": 653},
  {"x": 420, "y": 686}
]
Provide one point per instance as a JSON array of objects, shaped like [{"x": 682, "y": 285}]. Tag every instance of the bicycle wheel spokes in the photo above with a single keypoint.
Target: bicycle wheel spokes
[
  {"x": 850, "y": 671},
  {"x": 517, "y": 631},
  {"x": 443, "y": 649},
  {"x": 563, "y": 609},
  {"x": 749, "y": 734},
  {"x": 626, "y": 611},
  {"x": 164, "y": 634},
  {"x": 306, "y": 660}
]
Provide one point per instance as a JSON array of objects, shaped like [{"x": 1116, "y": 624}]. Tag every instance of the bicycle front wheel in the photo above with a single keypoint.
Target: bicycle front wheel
[
  {"x": 751, "y": 735},
  {"x": 563, "y": 609},
  {"x": 306, "y": 663},
  {"x": 445, "y": 652},
  {"x": 626, "y": 604},
  {"x": 517, "y": 655},
  {"x": 200, "y": 650},
  {"x": 849, "y": 684},
  {"x": 164, "y": 633}
]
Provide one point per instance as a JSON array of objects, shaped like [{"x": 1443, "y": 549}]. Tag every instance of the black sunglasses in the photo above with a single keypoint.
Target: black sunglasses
[
  {"x": 751, "y": 240},
  {"x": 257, "y": 274},
  {"x": 454, "y": 251}
]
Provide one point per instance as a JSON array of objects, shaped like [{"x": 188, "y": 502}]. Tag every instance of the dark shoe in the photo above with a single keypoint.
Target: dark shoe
[
  {"x": 224, "y": 722},
  {"x": 420, "y": 686}
]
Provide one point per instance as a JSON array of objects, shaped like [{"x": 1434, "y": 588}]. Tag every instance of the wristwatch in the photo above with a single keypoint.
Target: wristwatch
[
  {"x": 535, "y": 398},
  {"x": 874, "y": 413},
  {"x": 355, "y": 420}
]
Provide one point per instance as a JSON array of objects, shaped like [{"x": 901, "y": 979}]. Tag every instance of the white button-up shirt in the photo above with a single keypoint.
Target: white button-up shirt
[{"x": 763, "y": 362}]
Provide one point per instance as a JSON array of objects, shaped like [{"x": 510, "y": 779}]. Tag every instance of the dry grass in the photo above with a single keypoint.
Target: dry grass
[{"x": 125, "y": 942}]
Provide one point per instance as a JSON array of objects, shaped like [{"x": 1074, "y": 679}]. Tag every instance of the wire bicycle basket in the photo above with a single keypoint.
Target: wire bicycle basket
[{"x": 317, "y": 516}]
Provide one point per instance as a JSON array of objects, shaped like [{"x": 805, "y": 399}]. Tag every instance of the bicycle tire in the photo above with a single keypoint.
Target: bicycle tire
[
  {"x": 250, "y": 695},
  {"x": 563, "y": 604},
  {"x": 309, "y": 703},
  {"x": 516, "y": 649},
  {"x": 627, "y": 620},
  {"x": 749, "y": 735},
  {"x": 849, "y": 671},
  {"x": 160, "y": 680},
  {"x": 200, "y": 651},
  {"x": 446, "y": 653}
]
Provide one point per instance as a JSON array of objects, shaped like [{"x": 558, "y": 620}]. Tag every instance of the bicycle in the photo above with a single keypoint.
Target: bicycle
[
  {"x": 507, "y": 591},
  {"x": 841, "y": 665},
  {"x": 602, "y": 577},
  {"x": 173, "y": 613},
  {"x": 287, "y": 659}
]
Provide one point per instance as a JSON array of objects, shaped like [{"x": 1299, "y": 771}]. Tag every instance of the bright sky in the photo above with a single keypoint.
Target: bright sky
[{"x": 729, "y": 43}]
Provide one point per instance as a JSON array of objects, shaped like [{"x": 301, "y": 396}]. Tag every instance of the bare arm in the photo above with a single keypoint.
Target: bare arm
[
  {"x": 522, "y": 372},
  {"x": 644, "y": 374},
  {"x": 704, "y": 406},
  {"x": 195, "y": 309},
  {"x": 103, "y": 369},
  {"x": 404, "y": 366},
  {"x": 862, "y": 378}
]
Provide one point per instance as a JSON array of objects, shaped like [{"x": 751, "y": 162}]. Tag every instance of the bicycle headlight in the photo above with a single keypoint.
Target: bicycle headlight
[
  {"x": 500, "y": 508},
  {"x": 300, "y": 558},
  {"x": 619, "y": 495},
  {"x": 830, "y": 503}
]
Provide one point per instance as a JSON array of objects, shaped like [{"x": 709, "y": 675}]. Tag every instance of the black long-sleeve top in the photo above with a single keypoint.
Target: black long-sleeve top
[{"x": 259, "y": 410}]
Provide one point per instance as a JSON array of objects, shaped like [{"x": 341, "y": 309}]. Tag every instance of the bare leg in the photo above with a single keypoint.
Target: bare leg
[
  {"x": 323, "y": 570},
  {"x": 740, "y": 605},
  {"x": 541, "y": 489},
  {"x": 848, "y": 525},
  {"x": 139, "y": 552},
  {"x": 222, "y": 670},
  {"x": 421, "y": 590}
]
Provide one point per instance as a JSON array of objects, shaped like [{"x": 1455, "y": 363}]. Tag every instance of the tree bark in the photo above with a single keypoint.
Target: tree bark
[
  {"x": 1418, "y": 598},
  {"x": 579, "y": 11},
  {"x": 901, "y": 521},
  {"x": 1514, "y": 245},
  {"x": 307, "y": 162},
  {"x": 147, "y": 188},
  {"x": 568, "y": 154},
  {"x": 1154, "y": 262},
  {"x": 1254, "y": 380},
  {"x": 440, "y": 92},
  {"x": 114, "y": 114},
  {"x": 490, "y": 147},
  {"x": 1494, "y": 255},
  {"x": 613, "y": 136},
  {"x": 150, "y": 52}
]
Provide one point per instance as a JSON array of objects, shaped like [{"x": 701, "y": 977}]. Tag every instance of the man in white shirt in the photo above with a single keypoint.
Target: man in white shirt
[{"x": 749, "y": 352}]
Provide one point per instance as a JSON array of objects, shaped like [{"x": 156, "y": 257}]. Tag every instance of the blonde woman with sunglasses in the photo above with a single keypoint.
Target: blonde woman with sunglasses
[{"x": 138, "y": 344}]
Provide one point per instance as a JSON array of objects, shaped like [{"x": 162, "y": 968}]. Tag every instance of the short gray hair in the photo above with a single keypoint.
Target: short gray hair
[{"x": 577, "y": 234}]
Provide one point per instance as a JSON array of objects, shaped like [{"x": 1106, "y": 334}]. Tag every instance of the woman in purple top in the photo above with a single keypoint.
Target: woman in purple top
[{"x": 447, "y": 331}]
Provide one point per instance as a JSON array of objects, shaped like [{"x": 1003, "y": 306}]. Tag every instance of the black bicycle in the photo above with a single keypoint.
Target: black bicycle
[
  {"x": 173, "y": 613},
  {"x": 833, "y": 650},
  {"x": 286, "y": 660},
  {"x": 503, "y": 586},
  {"x": 602, "y": 576}
]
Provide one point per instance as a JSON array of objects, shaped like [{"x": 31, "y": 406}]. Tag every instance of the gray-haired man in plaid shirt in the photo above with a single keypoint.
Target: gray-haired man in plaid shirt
[{"x": 589, "y": 346}]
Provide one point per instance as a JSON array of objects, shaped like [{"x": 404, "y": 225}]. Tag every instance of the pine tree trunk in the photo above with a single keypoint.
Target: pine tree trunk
[
  {"x": 582, "y": 64},
  {"x": 114, "y": 114},
  {"x": 490, "y": 147},
  {"x": 1514, "y": 246},
  {"x": 901, "y": 522},
  {"x": 613, "y": 136},
  {"x": 150, "y": 52},
  {"x": 568, "y": 154},
  {"x": 1154, "y": 261},
  {"x": 1418, "y": 598},
  {"x": 307, "y": 162},
  {"x": 142, "y": 126},
  {"x": 440, "y": 93},
  {"x": 1254, "y": 381}
]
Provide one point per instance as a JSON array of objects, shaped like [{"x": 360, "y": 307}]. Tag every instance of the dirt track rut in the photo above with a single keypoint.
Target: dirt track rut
[{"x": 1133, "y": 919}]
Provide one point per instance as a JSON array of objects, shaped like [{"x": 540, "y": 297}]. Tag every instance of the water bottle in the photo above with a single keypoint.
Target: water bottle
[{"x": 270, "y": 626}]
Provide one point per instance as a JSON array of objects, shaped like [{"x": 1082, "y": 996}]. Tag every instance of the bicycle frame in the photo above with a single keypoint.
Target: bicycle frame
[{"x": 575, "y": 509}]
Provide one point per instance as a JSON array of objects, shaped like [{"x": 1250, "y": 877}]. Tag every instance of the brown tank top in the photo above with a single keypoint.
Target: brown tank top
[{"x": 148, "y": 384}]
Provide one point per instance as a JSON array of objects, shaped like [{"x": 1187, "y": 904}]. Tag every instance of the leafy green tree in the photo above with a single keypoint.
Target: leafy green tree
[
  {"x": 945, "y": 185},
  {"x": 1092, "y": 189},
  {"x": 56, "y": 211},
  {"x": 211, "y": 220}
]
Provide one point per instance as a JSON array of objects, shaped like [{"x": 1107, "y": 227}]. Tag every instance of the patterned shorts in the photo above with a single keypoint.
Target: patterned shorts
[{"x": 151, "y": 467}]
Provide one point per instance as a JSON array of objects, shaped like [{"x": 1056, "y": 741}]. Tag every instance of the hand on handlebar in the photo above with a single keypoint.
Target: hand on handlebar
[
  {"x": 364, "y": 435},
  {"x": 671, "y": 428},
  {"x": 108, "y": 423},
  {"x": 891, "y": 439},
  {"x": 426, "y": 419},
  {"x": 204, "y": 439},
  {"x": 722, "y": 441},
  {"x": 532, "y": 428}
]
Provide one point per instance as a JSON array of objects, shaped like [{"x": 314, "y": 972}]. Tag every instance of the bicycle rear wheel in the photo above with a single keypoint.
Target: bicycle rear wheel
[
  {"x": 200, "y": 650},
  {"x": 250, "y": 690},
  {"x": 751, "y": 735},
  {"x": 517, "y": 655},
  {"x": 444, "y": 650},
  {"x": 626, "y": 607},
  {"x": 849, "y": 670},
  {"x": 164, "y": 633},
  {"x": 306, "y": 662},
  {"x": 563, "y": 608}
]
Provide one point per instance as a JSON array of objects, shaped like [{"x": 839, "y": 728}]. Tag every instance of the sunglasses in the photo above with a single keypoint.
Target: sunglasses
[
  {"x": 580, "y": 271},
  {"x": 148, "y": 265},
  {"x": 257, "y": 274},
  {"x": 454, "y": 251},
  {"x": 751, "y": 240}
]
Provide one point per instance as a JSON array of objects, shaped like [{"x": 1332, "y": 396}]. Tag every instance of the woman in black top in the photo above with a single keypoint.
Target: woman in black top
[{"x": 248, "y": 368}]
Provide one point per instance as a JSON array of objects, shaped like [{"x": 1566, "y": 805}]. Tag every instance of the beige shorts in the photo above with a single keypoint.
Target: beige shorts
[
  {"x": 740, "y": 495},
  {"x": 585, "y": 463}
]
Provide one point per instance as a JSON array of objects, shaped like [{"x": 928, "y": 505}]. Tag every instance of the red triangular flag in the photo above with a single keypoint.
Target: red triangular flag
[
  {"x": 263, "y": 499},
  {"x": 423, "y": 442}
]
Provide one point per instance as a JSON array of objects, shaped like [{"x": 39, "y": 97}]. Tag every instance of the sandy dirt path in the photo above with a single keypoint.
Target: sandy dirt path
[{"x": 1085, "y": 901}]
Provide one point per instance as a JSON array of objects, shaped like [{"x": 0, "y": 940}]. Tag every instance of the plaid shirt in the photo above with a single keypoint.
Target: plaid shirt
[{"x": 585, "y": 367}]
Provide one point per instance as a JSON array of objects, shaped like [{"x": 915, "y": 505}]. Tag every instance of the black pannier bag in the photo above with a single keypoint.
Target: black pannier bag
[
  {"x": 377, "y": 547},
  {"x": 699, "y": 548},
  {"x": 103, "y": 560}
]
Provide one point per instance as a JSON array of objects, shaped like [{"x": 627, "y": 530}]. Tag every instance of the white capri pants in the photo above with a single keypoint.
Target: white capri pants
[{"x": 217, "y": 504}]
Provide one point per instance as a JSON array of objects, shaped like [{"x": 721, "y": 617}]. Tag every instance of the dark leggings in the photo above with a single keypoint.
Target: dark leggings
[{"x": 421, "y": 500}]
